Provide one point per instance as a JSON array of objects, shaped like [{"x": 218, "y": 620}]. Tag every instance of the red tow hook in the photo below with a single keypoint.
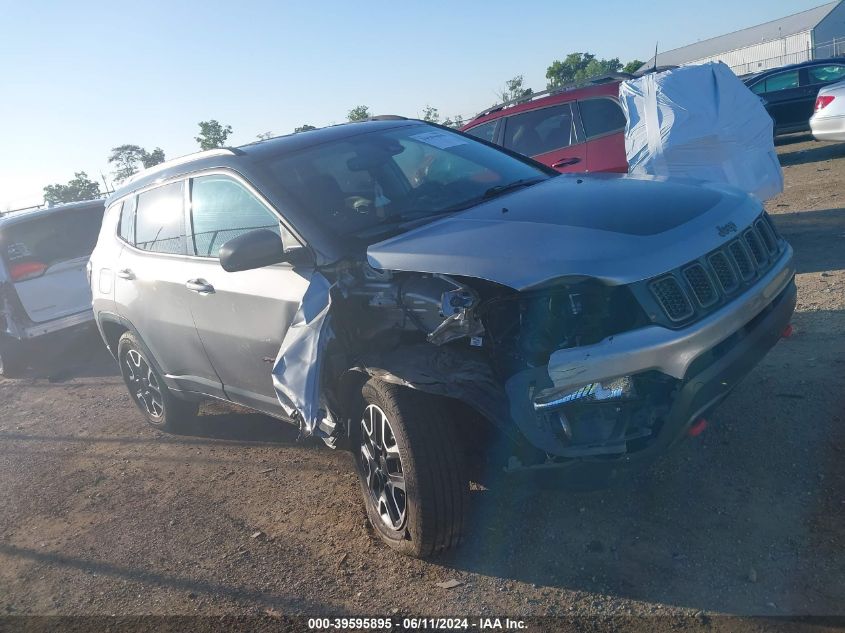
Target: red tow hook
[
  {"x": 698, "y": 428},
  {"x": 787, "y": 331}
]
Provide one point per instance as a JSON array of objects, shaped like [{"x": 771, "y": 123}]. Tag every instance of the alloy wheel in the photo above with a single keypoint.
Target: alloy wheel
[
  {"x": 382, "y": 467},
  {"x": 143, "y": 383}
]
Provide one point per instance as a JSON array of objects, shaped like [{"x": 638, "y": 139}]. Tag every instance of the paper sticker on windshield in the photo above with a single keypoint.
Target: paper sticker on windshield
[{"x": 440, "y": 140}]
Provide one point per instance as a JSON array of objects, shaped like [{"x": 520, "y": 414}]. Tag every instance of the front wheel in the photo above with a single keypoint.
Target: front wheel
[
  {"x": 160, "y": 408},
  {"x": 411, "y": 470}
]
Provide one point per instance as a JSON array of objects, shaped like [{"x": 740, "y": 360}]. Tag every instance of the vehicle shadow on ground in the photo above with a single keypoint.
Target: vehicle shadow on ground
[
  {"x": 822, "y": 151},
  {"x": 266, "y": 599},
  {"x": 66, "y": 355},
  {"x": 236, "y": 425},
  {"x": 818, "y": 238},
  {"x": 721, "y": 523}
]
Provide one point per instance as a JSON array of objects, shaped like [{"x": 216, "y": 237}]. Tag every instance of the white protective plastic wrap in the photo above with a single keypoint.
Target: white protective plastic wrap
[{"x": 700, "y": 122}]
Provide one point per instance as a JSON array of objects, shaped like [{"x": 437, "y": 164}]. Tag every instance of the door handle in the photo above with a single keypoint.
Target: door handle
[
  {"x": 200, "y": 286},
  {"x": 125, "y": 273},
  {"x": 565, "y": 162}
]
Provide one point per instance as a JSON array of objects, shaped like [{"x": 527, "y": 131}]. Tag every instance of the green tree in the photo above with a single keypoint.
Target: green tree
[
  {"x": 212, "y": 134},
  {"x": 304, "y": 128},
  {"x": 129, "y": 159},
  {"x": 431, "y": 114},
  {"x": 263, "y": 136},
  {"x": 632, "y": 66},
  {"x": 80, "y": 187},
  {"x": 359, "y": 113},
  {"x": 578, "y": 67},
  {"x": 456, "y": 122},
  {"x": 515, "y": 90},
  {"x": 150, "y": 159}
]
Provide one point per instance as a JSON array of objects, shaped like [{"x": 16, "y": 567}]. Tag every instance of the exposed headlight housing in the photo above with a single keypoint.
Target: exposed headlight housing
[{"x": 615, "y": 389}]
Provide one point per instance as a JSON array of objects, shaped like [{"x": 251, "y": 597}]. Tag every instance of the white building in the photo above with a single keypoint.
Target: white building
[{"x": 812, "y": 34}]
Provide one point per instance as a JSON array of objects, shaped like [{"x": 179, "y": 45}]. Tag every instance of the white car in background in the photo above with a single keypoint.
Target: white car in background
[
  {"x": 43, "y": 286},
  {"x": 828, "y": 120}
]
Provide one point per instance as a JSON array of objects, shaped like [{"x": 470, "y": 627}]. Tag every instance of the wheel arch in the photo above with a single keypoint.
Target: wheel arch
[
  {"x": 113, "y": 326},
  {"x": 448, "y": 372}
]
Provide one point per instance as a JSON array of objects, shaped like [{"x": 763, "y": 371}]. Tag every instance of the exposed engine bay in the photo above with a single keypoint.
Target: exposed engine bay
[{"x": 487, "y": 345}]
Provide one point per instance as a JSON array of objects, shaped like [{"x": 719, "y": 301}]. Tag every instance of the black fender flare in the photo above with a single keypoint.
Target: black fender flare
[{"x": 448, "y": 371}]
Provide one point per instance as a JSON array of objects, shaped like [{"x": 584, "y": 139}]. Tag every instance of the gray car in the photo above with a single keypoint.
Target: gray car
[
  {"x": 446, "y": 309},
  {"x": 43, "y": 287}
]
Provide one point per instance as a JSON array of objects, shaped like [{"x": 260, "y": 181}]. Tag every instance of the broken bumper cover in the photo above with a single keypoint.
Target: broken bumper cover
[{"x": 705, "y": 360}]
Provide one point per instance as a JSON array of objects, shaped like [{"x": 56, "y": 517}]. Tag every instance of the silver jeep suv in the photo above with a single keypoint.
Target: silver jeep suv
[{"x": 445, "y": 308}]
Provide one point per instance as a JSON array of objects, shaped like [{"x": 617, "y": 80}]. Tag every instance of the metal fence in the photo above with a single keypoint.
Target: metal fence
[{"x": 825, "y": 50}]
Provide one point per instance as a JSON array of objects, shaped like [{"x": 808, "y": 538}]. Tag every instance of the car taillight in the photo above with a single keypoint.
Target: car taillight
[
  {"x": 823, "y": 101},
  {"x": 27, "y": 270}
]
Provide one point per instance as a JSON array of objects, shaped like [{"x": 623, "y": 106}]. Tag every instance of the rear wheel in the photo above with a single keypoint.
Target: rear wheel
[
  {"x": 410, "y": 466},
  {"x": 12, "y": 357},
  {"x": 159, "y": 406}
]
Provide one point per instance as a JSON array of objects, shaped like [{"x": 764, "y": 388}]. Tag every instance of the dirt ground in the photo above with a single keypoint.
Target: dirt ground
[{"x": 100, "y": 514}]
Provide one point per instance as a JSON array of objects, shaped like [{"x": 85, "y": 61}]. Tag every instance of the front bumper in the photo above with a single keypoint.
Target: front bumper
[
  {"x": 828, "y": 128},
  {"x": 704, "y": 361}
]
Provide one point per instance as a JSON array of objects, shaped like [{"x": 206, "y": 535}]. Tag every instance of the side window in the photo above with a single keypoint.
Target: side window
[
  {"x": 126, "y": 229},
  {"x": 484, "y": 131},
  {"x": 825, "y": 74},
  {"x": 540, "y": 131},
  {"x": 781, "y": 81},
  {"x": 222, "y": 208},
  {"x": 159, "y": 220},
  {"x": 601, "y": 116}
]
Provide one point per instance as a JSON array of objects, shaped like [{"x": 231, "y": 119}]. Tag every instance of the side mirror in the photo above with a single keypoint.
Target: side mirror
[{"x": 256, "y": 249}]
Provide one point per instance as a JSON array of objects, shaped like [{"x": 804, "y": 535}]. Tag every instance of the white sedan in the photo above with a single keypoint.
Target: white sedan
[{"x": 828, "y": 121}]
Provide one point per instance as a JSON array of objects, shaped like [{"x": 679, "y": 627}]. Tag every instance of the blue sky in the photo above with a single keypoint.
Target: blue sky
[{"x": 78, "y": 78}]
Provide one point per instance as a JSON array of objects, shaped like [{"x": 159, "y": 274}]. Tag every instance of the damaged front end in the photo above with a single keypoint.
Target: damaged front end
[
  {"x": 474, "y": 341},
  {"x": 576, "y": 370}
]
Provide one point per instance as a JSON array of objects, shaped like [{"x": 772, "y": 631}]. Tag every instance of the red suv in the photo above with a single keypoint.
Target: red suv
[{"x": 576, "y": 129}]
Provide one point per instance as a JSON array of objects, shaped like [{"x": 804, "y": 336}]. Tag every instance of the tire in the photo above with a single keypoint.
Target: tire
[
  {"x": 422, "y": 447},
  {"x": 12, "y": 357},
  {"x": 160, "y": 408}
]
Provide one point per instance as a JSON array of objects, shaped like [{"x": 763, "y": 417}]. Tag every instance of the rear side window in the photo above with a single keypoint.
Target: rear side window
[
  {"x": 540, "y": 131},
  {"x": 601, "y": 116},
  {"x": 159, "y": 220},
  {"x": 777, "y": 82},
  {"x": 52, "y": 238},
  {"x": 486, "y": 131},
  {"x": 825, "y": 74},
  {"x": 222, "y": 208},
  {"x": 126, "y": 229}
]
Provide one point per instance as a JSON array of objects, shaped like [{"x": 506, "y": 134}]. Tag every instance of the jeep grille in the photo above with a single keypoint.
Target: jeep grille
[{"x": 702, "y": 285}]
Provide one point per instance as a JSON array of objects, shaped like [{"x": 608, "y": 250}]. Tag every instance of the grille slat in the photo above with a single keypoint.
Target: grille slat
[
  {"x": 672, "y": 298},
  {"x": 702, "y": 288},
  {"x": 768, "y": 236},
  {"x": 724, "y": 272},
  {"x": 755, "y": 246},
  {"x": 742, "y": 259}
]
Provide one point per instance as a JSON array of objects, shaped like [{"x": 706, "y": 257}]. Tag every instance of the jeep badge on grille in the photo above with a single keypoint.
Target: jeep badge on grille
[{"x": 726, "y": 229}]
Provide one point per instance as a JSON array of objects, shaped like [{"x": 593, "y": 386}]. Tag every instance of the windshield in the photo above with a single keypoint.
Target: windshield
[{"x": 379, "y": 181}]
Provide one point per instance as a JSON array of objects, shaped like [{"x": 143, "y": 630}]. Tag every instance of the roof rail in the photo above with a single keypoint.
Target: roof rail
[
  {"x": 592, "y": 81},
  {"x": 387, "y": 117},
  {"x": 188, "y": 158}
]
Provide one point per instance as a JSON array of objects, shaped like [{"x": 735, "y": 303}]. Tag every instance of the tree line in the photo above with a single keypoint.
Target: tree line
[{"x": 130, "y": 159}]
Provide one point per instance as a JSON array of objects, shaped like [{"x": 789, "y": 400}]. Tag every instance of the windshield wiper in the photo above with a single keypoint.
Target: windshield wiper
[{"x": 498, "y": 190}]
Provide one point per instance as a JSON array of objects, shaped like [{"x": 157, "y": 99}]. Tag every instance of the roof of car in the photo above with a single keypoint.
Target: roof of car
[
  {"x": 599, "y": 86},
  {"x": 25, "y": 215},
  {"x": 234, "y": 156},
  {"x": 779, "y": 69}
]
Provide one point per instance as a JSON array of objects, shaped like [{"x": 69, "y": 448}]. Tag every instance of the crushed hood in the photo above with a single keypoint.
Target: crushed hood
[{"x": 617, "y": 229}]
